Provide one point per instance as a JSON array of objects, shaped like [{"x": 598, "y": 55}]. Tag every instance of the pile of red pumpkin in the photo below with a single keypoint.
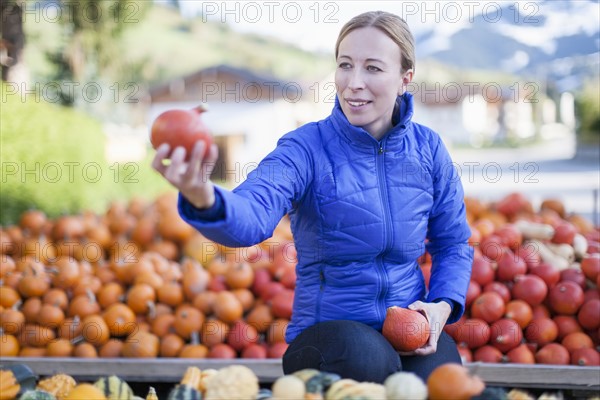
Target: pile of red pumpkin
[
  {"x": 137, "y": 281},
  {"x": 534, "y": 295}
]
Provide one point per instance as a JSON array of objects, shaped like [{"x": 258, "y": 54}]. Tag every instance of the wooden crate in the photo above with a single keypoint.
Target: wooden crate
[{"x": 172, "y": 369}]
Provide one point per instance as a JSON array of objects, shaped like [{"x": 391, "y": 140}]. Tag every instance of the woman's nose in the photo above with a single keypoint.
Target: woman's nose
[{"x": 356, "y": 80}]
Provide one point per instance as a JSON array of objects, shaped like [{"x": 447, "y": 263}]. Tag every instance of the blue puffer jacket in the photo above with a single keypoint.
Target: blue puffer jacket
[{"x": 362, "y": 212}]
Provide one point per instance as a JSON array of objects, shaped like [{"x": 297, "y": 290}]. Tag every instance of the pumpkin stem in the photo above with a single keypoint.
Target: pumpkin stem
[
  {"x": 90, "y": 295},
  {"x": 195, "y": 338},
  {"x": 151, "y": 309},
  {"x": 202, "y": 107},
  {"x": 17, "y": 304},
  {"x": 77, "y": 340}
]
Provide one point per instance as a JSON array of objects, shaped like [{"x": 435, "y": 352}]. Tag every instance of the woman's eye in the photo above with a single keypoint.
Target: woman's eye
[
  {"x": 344, "y": 65},
  {"x": 373, "y": 68}
]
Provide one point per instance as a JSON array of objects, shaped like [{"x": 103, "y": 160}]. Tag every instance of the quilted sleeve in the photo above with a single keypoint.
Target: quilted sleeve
[
  {"x": 448, "y": 234},
  {"x": 255, "y": 207}
]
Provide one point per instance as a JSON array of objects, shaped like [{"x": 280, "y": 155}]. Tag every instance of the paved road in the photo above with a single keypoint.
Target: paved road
[{"x": 553, "y": 170}]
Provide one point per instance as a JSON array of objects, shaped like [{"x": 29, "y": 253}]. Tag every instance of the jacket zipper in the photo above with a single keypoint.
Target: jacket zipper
[
  {"x": 320, "y": 294},
  {"x": 387, "y": 233}
]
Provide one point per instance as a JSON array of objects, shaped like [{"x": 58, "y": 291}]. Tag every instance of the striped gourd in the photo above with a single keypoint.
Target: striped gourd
[
  {"x": 192, "y": 377},
  {"x": 314, "y": 387},
  {"x": 114, "y": 388},
  {"x": 339, "y": 387},
  {"x": 184, "y": 392},
  {"x": 328, "y": 379},
  {"x": 264, "y": 394},
  {"x": 37, "y": 395}
]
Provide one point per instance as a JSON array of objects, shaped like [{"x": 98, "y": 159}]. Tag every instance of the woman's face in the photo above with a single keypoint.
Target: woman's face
[{"x": 368, "y": 79}]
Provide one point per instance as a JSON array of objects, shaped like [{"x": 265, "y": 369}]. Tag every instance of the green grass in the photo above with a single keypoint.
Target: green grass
[{"x": 53, "y": 159}]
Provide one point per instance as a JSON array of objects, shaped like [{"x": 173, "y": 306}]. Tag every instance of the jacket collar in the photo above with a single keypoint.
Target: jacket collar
[{"x": 402, "y": 117}]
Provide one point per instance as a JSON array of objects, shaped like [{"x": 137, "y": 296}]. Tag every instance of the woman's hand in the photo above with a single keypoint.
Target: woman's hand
[
  {"x": 191, "y": 178},
  {"x": 437, "y": 314}
]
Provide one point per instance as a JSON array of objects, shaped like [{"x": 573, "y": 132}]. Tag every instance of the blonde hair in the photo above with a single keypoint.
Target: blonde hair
[{"x": 392, "y": 25}]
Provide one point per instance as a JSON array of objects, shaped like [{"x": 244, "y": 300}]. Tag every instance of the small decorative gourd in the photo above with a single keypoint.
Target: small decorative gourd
[
  {"x": 192, "y": 377},
  {"x": 9, "y": 386},
  {"x": 184, "y": 392},
  {"x": 233, "y": 382},
  {"x": 404, "y": 386},
  {"x": 265, "y": 394},
  {"x": 151, "y": 394},
  {"x": 206, "y": 376},
  {"x": 85, "y": 391},
  {"x": 358, "y": 391},
  {"x": 59, "y": 385},
  {"x": 313, "y": 383},
  {"x": 338, "y": 386},
  {"x": 114, "y": 388},
  {"x": 288, "y": 387},
  {"x": 37, "y": 395}
]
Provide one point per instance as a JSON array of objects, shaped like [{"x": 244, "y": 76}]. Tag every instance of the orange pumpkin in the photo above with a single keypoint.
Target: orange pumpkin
[
  {"x": 453, "y": 382},
  {"x": 187, "y": 320},
  {"x": 95, "y": 330},
  {"x": 83, "y": 305},
  {"x": 239, "y": 276},
  {"x": 141, "y": 345},
  {"x": 120, "y": 319},
  {"x": 141, "y": 298},
  {"x": 171, "y": 345},
  {"x": 227, "y": 307},
  {"x": 59, "y": 348},
  {"x": 10, "y": 345}
]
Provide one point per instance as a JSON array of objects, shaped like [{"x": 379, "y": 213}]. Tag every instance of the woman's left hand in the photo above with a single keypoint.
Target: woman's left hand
[{"x": 437, "y": 314}]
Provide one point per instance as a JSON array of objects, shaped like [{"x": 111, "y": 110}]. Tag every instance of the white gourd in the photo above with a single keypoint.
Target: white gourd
[{"x": 404, "y": 386}]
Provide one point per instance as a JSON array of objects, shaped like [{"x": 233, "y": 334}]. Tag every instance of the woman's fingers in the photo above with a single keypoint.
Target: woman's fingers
[
  {"x": 173, "y": 171},
  {"x": 162, "y": 153},
  {"x": 210, "y": 162},
  {"x": 191, "y": 177},
  {"x": 436, "y": 314},
  {"x": 192, "y": 173}
]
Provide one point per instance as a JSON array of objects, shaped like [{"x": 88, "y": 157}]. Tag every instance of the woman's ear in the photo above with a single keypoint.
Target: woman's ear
[{"x": 406, "y": 79}]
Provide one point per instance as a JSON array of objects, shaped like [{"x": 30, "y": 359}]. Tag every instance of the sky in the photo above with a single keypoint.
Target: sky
[{"x": 314, "y": 25}]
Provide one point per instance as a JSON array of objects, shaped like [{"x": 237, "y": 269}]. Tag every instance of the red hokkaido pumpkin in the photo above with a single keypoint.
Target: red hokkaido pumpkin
[
  {"x": 181, "y": 128},
  {"x": 405, "y": 329}
]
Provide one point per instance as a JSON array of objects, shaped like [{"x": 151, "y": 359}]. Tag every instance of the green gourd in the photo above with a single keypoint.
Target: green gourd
[
  {"x": 114, "y": 388},
  {"x": 36, "y": 395},
  {"x": 184, "y": 392}
]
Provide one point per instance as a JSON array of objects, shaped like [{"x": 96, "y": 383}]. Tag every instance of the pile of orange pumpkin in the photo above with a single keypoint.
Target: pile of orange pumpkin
[{"x": 137, "y": 281}]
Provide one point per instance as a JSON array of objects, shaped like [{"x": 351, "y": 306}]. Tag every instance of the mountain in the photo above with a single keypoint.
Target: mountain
[{"x": 551, "y": 39}]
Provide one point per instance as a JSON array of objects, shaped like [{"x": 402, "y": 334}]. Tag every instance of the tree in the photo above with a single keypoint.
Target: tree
[
  {"x": 13, "y": 37},
  {"x": 92, "y": 50}
]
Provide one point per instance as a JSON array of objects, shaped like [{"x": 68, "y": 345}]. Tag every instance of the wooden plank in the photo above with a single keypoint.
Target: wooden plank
[
  {"x": 172, "y": 369},
  {"x": 538, "y": 376},
  {"x": 139, "y": 370}
]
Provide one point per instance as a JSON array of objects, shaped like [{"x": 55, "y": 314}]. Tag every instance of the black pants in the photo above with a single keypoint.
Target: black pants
[{"x": 357, "y": 351}]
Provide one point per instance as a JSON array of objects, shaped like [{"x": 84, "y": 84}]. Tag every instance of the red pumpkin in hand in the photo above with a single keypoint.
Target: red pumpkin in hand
[
  {"x": 181, "y": 128},
  {"x": 405, "y": 329}
]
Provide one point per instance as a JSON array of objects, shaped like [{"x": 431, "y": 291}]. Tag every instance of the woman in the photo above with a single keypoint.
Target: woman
[{"x": 365, "y": 189}]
